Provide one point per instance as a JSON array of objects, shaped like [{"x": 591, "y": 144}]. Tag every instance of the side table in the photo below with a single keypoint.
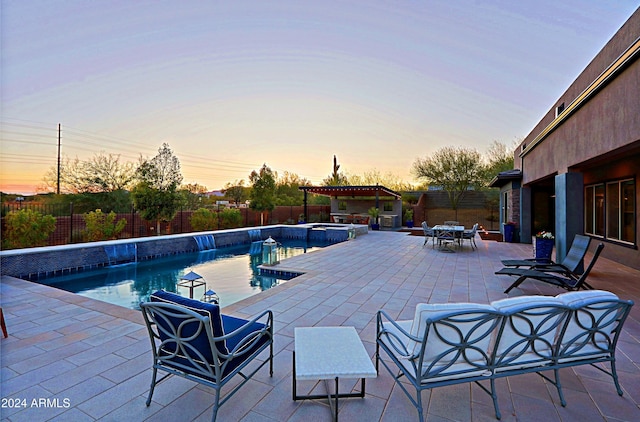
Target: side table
[{"x": 325, "y": 353}]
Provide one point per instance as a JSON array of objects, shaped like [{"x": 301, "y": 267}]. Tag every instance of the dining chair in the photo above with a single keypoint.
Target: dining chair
[
  {"x": 428, "y": 233},
  {"x": 470, "y": 235},
  {"x": 445, "y": 238}
]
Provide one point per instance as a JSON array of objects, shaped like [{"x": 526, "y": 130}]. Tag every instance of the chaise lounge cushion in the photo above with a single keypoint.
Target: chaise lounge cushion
[
  {"x": 468, "y": 323},
  {"x": 532, "y": 324}
]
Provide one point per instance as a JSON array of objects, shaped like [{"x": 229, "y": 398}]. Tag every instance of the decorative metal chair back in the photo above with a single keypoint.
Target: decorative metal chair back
[{"x": 191, "y": 339}]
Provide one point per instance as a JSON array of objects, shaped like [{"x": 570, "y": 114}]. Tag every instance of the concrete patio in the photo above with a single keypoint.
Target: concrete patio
[{"x": 89, "y": 360}]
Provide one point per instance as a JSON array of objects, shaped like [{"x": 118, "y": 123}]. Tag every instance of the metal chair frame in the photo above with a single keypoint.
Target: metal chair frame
[
  {"x": 470, "y": 235},
  {"x": 540, "y": 340},
  {"x": 174, "y": 351},
  {"x": 428, "y": 233},
  {"x": 571, "y": 264},
  {"x": 571, "y": 281}
]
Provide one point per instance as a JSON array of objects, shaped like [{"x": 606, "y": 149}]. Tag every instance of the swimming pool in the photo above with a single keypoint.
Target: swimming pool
[{"x": 232, "y": 272}]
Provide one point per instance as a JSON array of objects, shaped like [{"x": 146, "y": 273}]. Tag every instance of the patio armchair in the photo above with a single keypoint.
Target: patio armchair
[
  {"x": 569, "y": 265},
  {"x": 428, "y": 233},
  {"x": 563, "y": 279},
  {"x": 191, "y": 339}
]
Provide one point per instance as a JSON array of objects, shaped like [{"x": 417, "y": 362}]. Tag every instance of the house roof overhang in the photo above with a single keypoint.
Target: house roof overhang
[
  {"x": 505, "y": 177},
  {"x": 352, "y": 191}
]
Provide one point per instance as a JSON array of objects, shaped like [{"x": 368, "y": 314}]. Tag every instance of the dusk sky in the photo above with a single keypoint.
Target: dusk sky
[{"x": 230, "y": 85}]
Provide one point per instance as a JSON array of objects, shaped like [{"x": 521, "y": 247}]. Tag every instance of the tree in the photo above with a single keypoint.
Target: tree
[
  {"x": 27, "y": 228},
  {"x": 107, "y": 174},
  {"x": 101, "y": 173},
  {"x": 162, "y": 172},
  {"x": 456, "y": 170},
  {"x": 101, "y": 226},
  {"x": 375, "y": 177},
  {"x": 287, "y": 189},
  {"x": 499, "y": 158},
  {"x": 236, "y": 191},
  {"x": 192, "y": 195},
  {"x": 117, "y": 201},
  {"x": 203, "y": 220},
  {"x": 230, "y": 218},
  {"x": 263, "y": 190},
  {"x": 336, "y": 178},
  {"x": 195, "y": 188},
  {"x": 156, "y": 196}
]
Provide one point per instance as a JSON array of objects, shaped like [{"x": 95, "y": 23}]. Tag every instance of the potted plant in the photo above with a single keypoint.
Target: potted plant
[
  {"x": 408, "y": 218},
  {"x": 374, "y": 213},
  {"x": 543, "y": 246},
  {"x": 509, "y": 229}
]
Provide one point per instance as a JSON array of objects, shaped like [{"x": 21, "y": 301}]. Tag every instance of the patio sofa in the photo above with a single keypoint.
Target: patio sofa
[{"x": 455, "y": 343}]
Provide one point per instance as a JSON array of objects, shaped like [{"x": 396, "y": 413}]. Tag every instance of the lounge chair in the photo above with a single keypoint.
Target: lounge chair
[
  {"x": 569, "y": 265},
  {"x": 428, "y": 233},
  {"x": 570, "y": 281},
  {"x": 191, "y": 339}
]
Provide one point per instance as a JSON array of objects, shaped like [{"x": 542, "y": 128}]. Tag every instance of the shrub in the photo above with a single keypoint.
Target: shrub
[
  {"x": 27, "y": 228},
  {"x": 203, "y": 219},
  {"x": 230, "y": 218},
  {"x": 101, "y": 226}
]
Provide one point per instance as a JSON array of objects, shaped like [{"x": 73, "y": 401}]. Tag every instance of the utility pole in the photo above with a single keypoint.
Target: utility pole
[{"x": 58, "y": 190}]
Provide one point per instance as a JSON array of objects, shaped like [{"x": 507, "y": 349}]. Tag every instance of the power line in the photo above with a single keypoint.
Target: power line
[{"x": 22, "y": 131}]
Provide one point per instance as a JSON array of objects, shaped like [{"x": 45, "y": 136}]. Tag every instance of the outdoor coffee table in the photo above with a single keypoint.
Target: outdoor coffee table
[{"x": 325, "y": 353}]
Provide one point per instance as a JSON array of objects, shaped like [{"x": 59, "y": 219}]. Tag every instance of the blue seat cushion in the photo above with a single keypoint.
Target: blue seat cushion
[
  {"x": 201, "y": 342},
  {"x": 231, "y": 324},
  {"x": 221, "y": 324}
]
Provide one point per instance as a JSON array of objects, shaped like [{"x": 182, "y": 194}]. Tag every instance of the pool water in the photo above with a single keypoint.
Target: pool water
[{"x": 231, "y": 272}]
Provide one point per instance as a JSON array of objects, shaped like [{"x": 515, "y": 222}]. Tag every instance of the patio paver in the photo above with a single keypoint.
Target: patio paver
[{"x": 82, "y": 359}]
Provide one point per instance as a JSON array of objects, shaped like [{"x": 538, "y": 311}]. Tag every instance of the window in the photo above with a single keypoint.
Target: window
[
  {"x": 610, "y": 210},
  {"x": 559, "y": 109}
]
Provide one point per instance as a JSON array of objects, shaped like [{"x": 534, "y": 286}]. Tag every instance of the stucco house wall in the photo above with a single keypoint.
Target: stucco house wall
[{"x": 594, "y": 139}]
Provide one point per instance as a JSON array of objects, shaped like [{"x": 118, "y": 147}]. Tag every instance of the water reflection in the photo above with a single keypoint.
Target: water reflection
[{"x": 231, "y": 272}]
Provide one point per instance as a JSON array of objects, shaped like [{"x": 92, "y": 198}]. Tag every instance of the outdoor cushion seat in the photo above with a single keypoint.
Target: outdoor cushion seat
[
  {"x": 453, "y": 343},
  {"x": 530, "y": 328},
  {"x": 580, "y": 339},
  {"x": 193, "y": 340}
]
